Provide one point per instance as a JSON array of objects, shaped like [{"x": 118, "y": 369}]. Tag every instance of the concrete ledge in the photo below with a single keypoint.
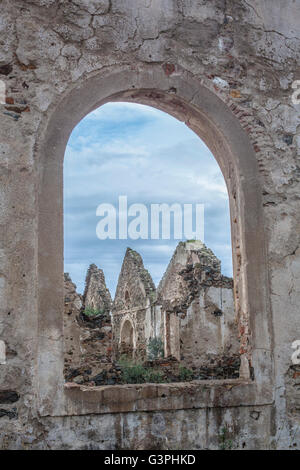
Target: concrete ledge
[{"x": 82, "y": 400}]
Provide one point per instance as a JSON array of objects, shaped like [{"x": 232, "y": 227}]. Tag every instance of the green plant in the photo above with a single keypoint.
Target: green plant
[
  {"x": 224, "y": 442},
  {"x": 93, "y": 312},
  {"x": 132, "y": 372},
  {"x": 155, "y": 348},
  {"x": 152, "y": 296},
  {"x": 154, "y": 376},
  {"x": 185, "y": 374},
  {"x": 124, "y": 361}
]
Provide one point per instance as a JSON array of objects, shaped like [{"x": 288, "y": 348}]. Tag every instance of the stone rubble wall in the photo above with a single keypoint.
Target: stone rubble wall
[
  {"x": 96, "y": 295},
  {"x": 88, "y": 340},
  {"x": 72, "y": 331},
  {"x": 198, "y": 302}
]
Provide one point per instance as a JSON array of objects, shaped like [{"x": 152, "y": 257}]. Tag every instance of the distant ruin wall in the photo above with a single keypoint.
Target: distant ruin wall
[
  {"x": 198, "y": 305},
  {"x": 96, "y": 295},
  {"x": 193, "y": 312},
  {"x": 134, "y": 300},
  {"x": 87, "y": 339},
  {"x": 72, "y": 331}
]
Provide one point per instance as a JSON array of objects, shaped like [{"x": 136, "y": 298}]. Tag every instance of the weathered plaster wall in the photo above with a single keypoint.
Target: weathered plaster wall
[
  {"x": 206, "y": 335},
  {"x": 248, "y": 54},
  {"x": 195, "y": 429},
  {"x": 198, "y": 306}
]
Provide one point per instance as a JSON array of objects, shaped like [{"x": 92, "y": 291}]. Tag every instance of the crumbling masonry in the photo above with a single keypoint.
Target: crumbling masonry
[
  {"x": 87, "y": 339},
  {"x": 225, "y": 68},
  {"x": 192, "y": 313}
]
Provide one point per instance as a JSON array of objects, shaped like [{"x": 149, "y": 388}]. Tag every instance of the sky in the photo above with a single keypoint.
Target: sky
[{"x": 152, "y": 158}]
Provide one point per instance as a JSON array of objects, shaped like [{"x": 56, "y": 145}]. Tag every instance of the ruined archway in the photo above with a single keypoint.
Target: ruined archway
[
  {"x": 127, "y": 338},
  {"x": 189, "y": 100}
]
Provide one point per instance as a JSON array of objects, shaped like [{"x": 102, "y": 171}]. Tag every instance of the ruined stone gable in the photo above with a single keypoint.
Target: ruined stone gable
[
  {"x": 96, "y": 295},
  {"x": 135, "y": 286},
  {"x": 87, "y": 338},
  {"x": 197, "y": 304},
  {"x": 192, "y": 313},
  {"x": 133, "y": 306}
]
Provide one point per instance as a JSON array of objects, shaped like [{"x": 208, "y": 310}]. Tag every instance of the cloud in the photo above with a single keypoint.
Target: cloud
[
  {"x": 118, "y": 112},
  {"x": 141, "y": 152}
]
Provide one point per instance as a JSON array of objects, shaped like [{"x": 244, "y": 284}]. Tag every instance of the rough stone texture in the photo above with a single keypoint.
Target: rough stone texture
[
  {"x": 193, "y": 316},
  {"x": 292, "y": 384},
  {"x": 192, "y": 312},
  {"x": 198, "y": 307},
  {"x": 87, "y": 340},
  {"x": 72, "y": 330},
  {"x": 197, "y": 429},
  {"x": 133, "y": 307},
  {"x": 96, "y": 295},
  {"x": 233, "y": 61}
]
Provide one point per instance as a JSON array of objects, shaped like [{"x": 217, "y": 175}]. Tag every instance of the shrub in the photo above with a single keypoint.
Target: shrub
[
  {"x": 154, "y": 376},
  {"x": 155, "y": 348},
  {"x": 224, "y": 442},
  {"x": 93, "y": 312},
  {"x": 185, "y": 374},
  {"x": 132, "y": 372}
]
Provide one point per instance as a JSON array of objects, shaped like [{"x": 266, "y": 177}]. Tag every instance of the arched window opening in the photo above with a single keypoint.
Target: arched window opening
[
  {"x": 184, "y": 313},
  {"x": 126, "y": 340},
  {"x": 212, "y": 119}
]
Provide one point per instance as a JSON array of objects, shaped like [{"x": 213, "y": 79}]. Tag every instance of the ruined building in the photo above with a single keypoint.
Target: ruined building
[
  {"x": 192, "y": 313},
  {"x": 133, "y": 307},
  {"x": 96, "y": 295},
  {"x": 87, "y": 338},
  {"x": 197, "y": 306}
]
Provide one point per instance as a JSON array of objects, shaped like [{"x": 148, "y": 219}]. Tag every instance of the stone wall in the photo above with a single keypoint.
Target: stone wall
[
  {"x": 96, "y": 295},
  {"x": 72, "y": 330},
  {"x": 226, "y": 69},
  {"x": 192, "y": 312},
  {"x": 133, "y": 304},
  {"x": 87, "y": 339},
  {"x": 198, "y": 305}
]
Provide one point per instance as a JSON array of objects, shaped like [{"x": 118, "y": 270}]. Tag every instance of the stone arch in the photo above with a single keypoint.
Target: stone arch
[
  {"x": 127, "y": 337},
  {"x": 189, "y": 100}
]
